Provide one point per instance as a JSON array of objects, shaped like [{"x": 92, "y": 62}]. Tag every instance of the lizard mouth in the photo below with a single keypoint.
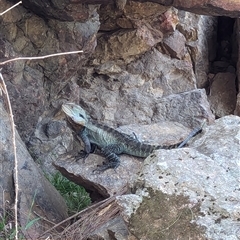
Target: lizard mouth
[
  {"x": 78, "y": 122},
  {"x": 67, "y": 109}
]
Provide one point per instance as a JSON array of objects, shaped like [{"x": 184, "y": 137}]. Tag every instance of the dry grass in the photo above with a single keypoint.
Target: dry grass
[{"x": 87, "y": 220}]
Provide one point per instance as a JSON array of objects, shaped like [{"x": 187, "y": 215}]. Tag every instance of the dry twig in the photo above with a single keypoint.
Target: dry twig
[
  {"x": 11, "y": 8},
  {"x": 40, "y": 57},
  {"x": 4, "y": 89}
]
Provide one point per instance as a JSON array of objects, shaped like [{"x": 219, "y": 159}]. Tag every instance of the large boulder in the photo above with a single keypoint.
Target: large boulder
[
  {"x": 189, "y": 192},
  {"x": 37, "y": 198}
]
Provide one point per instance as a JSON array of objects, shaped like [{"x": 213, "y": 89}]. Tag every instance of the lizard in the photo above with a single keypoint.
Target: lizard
[{"x": 110, "y": 141}]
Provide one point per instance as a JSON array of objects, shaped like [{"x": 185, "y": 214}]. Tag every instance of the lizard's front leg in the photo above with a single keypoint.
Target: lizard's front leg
[{"x": 87, "y": 145}]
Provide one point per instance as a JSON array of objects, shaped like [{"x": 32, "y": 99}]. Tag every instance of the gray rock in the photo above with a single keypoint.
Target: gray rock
[
  {"x": 36, "y": 194},
  {"x": 163, "y": 74},
  {"x": 220, "y": 66},
  {"x": 189, "y": 108},
  {"x": 142, "y": 25},
  {"x": 129, "y": 203},
  {"x": 130, "y": 98},
  {"x": 192, "y": 189},
  {"x": 213, "y": 8},
  {"x": 114, "y": 229},
  {"x": 201, "y": 35},
  {"x": 222, "y": 95},
  {"x": 125, "y": 44},
  {"x": 51, "y": 139},
  {"x": 175, "y": 50},
  {"x": 236, "y": 54},
  {"x": 237, "y": 109},
  {"x": 63, "y": 10},
  {"x": 157, "y": 133},
  {"x": 32, "y": 84},
  {"x": 136, "y": 95},
  {"x": 195, "y": 37}
]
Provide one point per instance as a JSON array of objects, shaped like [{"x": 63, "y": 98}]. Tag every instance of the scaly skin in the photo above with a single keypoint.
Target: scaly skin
[{"x": 110, "y": 141}]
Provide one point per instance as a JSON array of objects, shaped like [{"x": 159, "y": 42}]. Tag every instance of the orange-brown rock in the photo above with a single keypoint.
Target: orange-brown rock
[{"x": 210, "y": 7}]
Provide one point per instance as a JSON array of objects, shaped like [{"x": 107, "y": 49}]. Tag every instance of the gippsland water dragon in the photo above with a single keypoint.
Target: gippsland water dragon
[{"x": 110, "y": 141}]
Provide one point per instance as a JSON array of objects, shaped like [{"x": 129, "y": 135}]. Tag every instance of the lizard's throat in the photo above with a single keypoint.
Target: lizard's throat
[{"x": 77, "y": 125}]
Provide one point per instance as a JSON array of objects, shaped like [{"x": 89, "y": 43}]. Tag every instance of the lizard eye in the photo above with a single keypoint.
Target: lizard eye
[{"x": 80, "y": 115}]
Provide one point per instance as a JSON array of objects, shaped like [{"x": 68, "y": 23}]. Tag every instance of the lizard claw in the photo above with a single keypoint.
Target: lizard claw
[
  {"x": 101, "y": 168},
  {"x": 105, "y": 166},
  {"x": 82, "y": 155}
]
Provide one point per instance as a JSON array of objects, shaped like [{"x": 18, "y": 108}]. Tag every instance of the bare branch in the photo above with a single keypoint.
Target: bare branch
[
  {"x": 11, "y": 8},
  {"x": 40, "y": 57},
  {"x": 4, "y": 88}
]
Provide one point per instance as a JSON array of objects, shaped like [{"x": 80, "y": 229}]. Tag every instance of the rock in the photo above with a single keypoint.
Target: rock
[
  {"x": 157, "y": 133},
  {"x": 109, "y": 18},
  {"x": 143, "y": 10},
  {"x": 51, "y": 139},
  {"x": 28, "y": 99},
  {"x": 134, "y": 12},
  {"x": 138, "y": 106},
  {"x": 36, "y": 31},
  {"x": 126, "y": 43},
  {"x": 207, "y": 7},
  {"x": 180, "y": 108},
  {"x": 237, "y": 109},
  {"x": 69, "y": 10},
  {"x": 32, "y": 84},
  {"x": 201, "y": 36},
  {"x": 54, "y": 128},
  {"x": 163, "y": 74},
  {"x": 143, "y": 25},
  {"x": 175, "y": 50},
  {"x": 129, "y": 203},
  {"x": 222, "y": 95},
  {"x": 135, "y": 94},
  {"x": 163, "y": 216},
  {"x": 114, "y": 229},
  {"x": 120, "y": 4},
  {"x": 98, "y": 185},
  {"x": 63, "y": 10},
  {"x": 220, "y": 66},
  {"x": 192, "y": 189},
  {"x": 109, "y": 68},
  {"x": 37, "y": 197}
]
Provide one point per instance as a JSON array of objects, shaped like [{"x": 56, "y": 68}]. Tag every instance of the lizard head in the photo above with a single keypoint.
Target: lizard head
[{"x": 75, "y": 113}]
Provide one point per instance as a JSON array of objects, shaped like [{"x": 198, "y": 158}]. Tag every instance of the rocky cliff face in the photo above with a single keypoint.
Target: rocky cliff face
[
  {"x": 133, "y": 56},
  {"x": 158, "y": 62}
]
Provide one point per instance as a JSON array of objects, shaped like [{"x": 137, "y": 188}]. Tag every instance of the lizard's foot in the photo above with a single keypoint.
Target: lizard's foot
[
  {"x": 100, "y": 169},
  {"x": 105, "y": 166},
  {"x": 82, "y": 155}
]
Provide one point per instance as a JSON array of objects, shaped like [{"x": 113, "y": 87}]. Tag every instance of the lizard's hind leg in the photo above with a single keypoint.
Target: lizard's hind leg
[{"x": 110, "y": 153}]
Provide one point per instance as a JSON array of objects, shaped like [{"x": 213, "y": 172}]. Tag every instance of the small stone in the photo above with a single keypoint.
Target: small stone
[{"x": 54, "y": 129}]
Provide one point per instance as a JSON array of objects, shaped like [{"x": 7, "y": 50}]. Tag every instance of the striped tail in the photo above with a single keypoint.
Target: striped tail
[{"x": 193, "y": 133}]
